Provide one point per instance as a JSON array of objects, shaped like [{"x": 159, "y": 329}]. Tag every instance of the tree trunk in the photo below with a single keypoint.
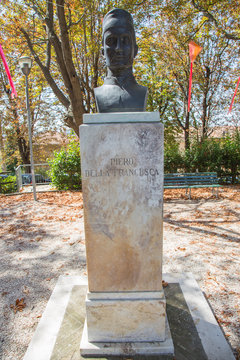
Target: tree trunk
[
  {"x": 24, "y": 150},
  {"x": 205, "y": 105},
  {"x": 186, "y": 132}
]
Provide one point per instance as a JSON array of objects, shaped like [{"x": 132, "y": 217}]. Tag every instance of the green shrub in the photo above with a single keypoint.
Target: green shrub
[
  {"x": 230, "y": 147},
  {"x": 204, "y": 156},
  {"x": 216, "y": 155},
  {"x": 173, "y": 160},
  {"x": 8, "y": 185},
  {"x": 65, "y": 167}
]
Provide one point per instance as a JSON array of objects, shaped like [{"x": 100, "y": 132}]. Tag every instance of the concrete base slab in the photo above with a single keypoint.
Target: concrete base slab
[
  {"x": 127, "y": 349},
  {"x": 195, "y": 332}
]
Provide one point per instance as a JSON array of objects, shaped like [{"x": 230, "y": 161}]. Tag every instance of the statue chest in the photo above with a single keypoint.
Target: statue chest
[{"x": 113, "y": 98}]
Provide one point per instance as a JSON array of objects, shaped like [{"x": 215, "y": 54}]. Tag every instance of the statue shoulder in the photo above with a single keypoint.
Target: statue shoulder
[
  {"x": 142, "y": 94},
  {"x": 142, "y": 89},
  {"x": 98, "y": 90},
  {"x": 98, "y": 94}
]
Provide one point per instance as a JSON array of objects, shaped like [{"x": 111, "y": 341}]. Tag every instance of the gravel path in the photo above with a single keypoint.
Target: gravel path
[{"x": 45, "y": 239}]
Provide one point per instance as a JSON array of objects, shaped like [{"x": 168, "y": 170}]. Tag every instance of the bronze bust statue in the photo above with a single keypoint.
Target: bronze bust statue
[{"x": 120, "y": 91}]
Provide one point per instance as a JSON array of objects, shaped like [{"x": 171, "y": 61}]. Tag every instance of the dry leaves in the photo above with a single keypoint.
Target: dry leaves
[
  {"x": 25, "y": 290},
  {"x": 225, "y": 192},
  {"x": 164, "y": 283},
  {"x": 181, "y": 248},
  {"x": 19, "y": 305}
]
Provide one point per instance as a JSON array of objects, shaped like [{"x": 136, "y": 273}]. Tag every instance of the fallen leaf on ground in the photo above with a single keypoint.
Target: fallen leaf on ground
[
  {"x": 164, "y": 283},
  {"x": 81, "y": 241},
  {"x": 19, "y": 305},
  {"x": 26, "y": 290}
]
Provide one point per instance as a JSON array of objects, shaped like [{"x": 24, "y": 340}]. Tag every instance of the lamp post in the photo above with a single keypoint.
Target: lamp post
[{"x": 25, "y": 64}]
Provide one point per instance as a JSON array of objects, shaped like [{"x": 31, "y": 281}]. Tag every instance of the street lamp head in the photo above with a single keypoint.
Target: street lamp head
[{"x": 25, "y": 63}]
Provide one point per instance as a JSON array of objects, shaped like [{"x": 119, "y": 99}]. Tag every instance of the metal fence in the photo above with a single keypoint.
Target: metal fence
[{"x": 24, "y": 176}]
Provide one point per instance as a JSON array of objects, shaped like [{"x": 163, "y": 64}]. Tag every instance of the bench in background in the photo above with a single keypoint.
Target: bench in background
[{"x": 190, "y": 181}]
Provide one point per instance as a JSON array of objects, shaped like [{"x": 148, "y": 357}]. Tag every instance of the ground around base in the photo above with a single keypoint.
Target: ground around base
[{"x": 45, "y": 239}]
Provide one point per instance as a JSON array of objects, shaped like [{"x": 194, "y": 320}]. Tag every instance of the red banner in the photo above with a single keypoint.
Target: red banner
[
  {"x": 194, "y": 50},
  {"x": 235, "y": 92},
  {"x": 7, "y": 72}
]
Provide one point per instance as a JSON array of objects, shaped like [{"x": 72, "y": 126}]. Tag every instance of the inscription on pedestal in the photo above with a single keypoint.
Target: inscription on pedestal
[{"x": 123, "y": 171}]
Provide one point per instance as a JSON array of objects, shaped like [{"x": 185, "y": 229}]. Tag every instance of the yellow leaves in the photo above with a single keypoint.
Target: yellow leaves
[{"x": 204, "y": 18}]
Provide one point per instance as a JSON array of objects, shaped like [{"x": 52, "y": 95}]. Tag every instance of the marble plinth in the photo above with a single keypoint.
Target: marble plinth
[{"x": 126, "y": 317}]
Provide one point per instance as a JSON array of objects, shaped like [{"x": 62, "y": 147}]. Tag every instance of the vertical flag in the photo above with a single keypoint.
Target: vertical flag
[
  {"x": 7, "y": 72},
  {"x": 194, "y": 50},
  {"x": 235, "y": 92}
]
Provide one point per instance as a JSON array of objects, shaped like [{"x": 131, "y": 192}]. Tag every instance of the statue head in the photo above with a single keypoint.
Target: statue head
[{"x": 118, "y": 39}]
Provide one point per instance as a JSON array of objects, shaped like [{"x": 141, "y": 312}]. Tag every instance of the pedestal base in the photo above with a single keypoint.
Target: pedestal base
[
  {"x": 126, "y": 316},
  {"x": 195, "y": 331},
  {"x": 127, "y": 349}
]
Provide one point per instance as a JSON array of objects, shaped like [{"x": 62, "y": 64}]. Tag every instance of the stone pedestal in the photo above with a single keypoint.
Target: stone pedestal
[{"x": 122, "y": 179}]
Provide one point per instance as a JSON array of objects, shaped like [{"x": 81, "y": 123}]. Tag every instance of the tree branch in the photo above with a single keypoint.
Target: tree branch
[
  {"x": 59, "y": 94},
  {"x": 230, "y": 36},
  {"x": 177, "y": 118},
  {"x": 76, "y": 94},
  {"x": 49, "y": 14},
  {"x": 58, "y": 51}
]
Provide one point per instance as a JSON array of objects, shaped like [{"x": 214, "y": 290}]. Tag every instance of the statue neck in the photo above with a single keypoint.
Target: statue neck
[{"x": 120, "y": 73}]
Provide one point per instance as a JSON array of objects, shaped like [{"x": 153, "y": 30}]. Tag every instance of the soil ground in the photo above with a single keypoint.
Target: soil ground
[{"x": 45, "y": 239}]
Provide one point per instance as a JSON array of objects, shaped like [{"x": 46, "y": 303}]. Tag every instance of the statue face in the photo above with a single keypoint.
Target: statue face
[{"x": 119, "y": 48}]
